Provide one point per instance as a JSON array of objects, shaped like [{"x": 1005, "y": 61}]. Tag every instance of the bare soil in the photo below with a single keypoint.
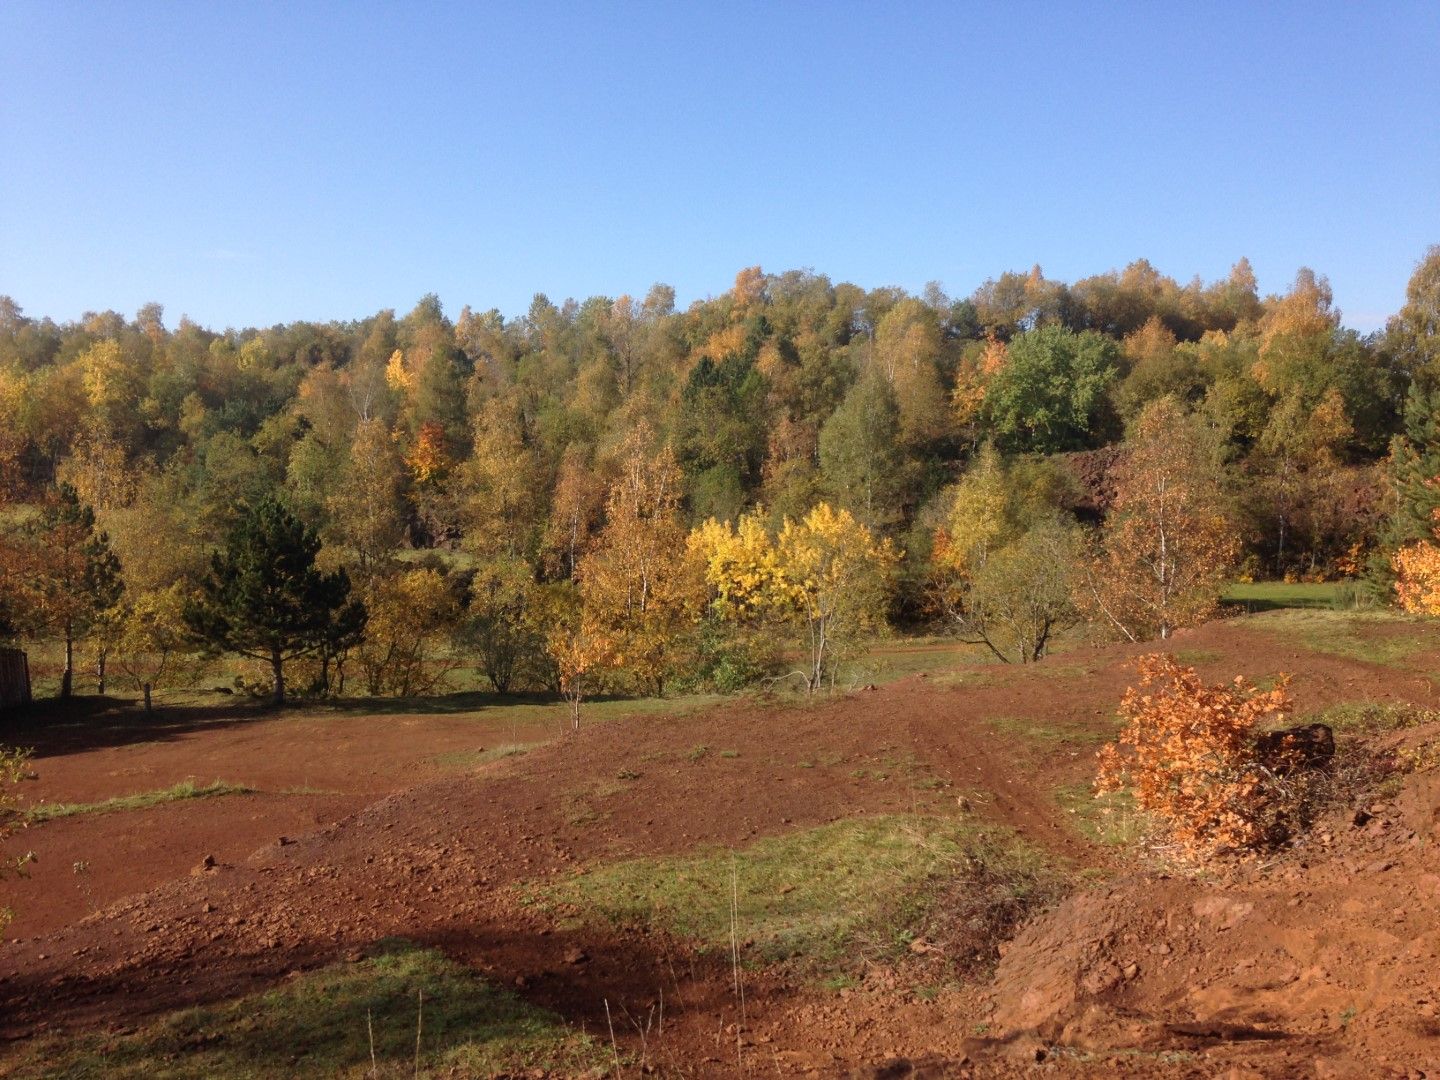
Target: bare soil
[{"x": 1322, "y": 963}]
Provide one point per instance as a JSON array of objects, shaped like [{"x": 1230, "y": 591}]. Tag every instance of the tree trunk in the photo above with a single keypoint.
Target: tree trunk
[
  {"x": 67, "y": 681},
  {"x": 277, "y": 669},
  {"x": 145, "y": 689},
  {"x": 100, "y": 672}
]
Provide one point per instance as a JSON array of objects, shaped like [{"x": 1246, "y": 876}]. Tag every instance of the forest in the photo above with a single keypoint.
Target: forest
[{"x": 616, "y": 494}]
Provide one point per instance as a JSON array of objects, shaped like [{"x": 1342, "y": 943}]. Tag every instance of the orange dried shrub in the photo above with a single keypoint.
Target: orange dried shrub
[{"x": 1187, "y": 753}]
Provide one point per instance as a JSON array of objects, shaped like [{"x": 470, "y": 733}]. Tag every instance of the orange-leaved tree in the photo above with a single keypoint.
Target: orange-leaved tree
[
  {"x": 1168, "y": 544},
  {"x": 1188, "y": 753},
  {"x": 1417, "y": 571}
]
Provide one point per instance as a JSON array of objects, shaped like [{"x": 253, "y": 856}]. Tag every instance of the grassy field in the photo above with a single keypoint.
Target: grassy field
[
  {"x": 345, "y": 1021},
  {"x": 826, "y": 898},
  {"x": 1255, "y": 596}
]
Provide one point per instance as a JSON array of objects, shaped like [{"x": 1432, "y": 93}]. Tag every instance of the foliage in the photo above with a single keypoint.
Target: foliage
[
  {"x": 264, "y": 597},
  {"x": 68, "y": 577},
  {"x": 151, "y": 647},
  {"x": 1004, "y": 564},
  {"x": 580, "y": 650},
  {"x": 412, "y": 616},
  {"x": 503, "y": 623},
  {"x": 366, "y": 512},
  {"x": 826, "y": 575},
  {"x": 1187, "y": 752},
  {"x": 1417, "y": 578},
  {"x": 506, "y": 438},
  {"x": 636, "y": 588},
  {"x": 1168, "y": 543},
  {"x": 1048, "y": 393}
]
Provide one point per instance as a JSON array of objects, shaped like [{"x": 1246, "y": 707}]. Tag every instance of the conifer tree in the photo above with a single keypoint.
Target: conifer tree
[{"x": 264, "y": 597}]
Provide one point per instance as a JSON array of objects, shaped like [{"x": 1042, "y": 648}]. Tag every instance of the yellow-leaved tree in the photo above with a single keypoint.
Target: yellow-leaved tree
[
  {"x": 826, "y": 576},
  {"x": 637, "y": 590},
  {"x": 413, "y": 615}
]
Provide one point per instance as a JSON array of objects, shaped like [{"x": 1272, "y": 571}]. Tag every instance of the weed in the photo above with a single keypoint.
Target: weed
[
  {"x": 730, "y": 753},
  {"x": 697, "y": 752},
  {"x": 1052, "y": 733}
]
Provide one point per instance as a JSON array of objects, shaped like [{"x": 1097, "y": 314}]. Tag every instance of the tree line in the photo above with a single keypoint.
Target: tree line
[{"x": 620, "y": 493}]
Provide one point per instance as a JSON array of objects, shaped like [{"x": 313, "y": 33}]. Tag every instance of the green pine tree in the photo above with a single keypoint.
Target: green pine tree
[{"x": 265, "y": 599}]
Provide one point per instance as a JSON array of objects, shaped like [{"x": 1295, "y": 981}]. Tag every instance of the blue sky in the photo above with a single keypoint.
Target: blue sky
[{"x": 255, "y": 163}]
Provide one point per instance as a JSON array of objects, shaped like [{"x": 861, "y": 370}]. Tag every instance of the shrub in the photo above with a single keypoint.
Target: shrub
[{"x": 1188, "y": 752}]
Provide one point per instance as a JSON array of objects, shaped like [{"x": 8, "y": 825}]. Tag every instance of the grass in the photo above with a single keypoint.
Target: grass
[
  {"x": 824, "y": 898},
  {"x": 1052, "y": 734},
  {"x": 1276, "y": 595},
  {"x": 1109, "y": 819},
  {"x": 186, "y": 789},
  {"x": 471, "y": 759},
  {"x": 316, "y": 1025},
  {"x": 1374, "y": 717},
  {"x": 1378, "y": 637}
]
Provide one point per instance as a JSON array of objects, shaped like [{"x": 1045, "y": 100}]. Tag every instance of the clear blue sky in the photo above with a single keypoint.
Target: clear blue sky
[{"x": 252, "y": 163}]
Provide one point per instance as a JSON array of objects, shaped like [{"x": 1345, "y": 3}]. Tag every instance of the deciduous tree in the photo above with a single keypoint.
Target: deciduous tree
[
  {"x": 1168, "y": 544},
  {"x": 634, "y": 585}
]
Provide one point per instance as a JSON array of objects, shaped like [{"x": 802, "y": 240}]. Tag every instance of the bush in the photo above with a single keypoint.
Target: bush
[{"x": 1188, "y": 751}]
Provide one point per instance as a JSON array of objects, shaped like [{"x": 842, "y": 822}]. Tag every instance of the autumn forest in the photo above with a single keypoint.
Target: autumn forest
[{"x": 617, "y": 495}]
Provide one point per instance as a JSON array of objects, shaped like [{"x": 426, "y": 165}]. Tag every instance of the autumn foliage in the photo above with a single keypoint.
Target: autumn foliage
[
  {"x": 1417, "y": 574},
  {"x": 1187, "y": 752}
]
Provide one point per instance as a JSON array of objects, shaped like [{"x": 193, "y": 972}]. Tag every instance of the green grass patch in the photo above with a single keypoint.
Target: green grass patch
[
  {"x": 186, "y": 789},
  {"x": 822, "y": 898},
  {"x": 1278, "y": 595},
  {"x": 1192, "y": 657},
  {"x": 1377, "y": 637},
  {"x": 471, "y": 759},
  {"x": 316, "y": 1025},
  {"x": 1053, "y": 734},
  {"x": 1373, "y": 717},
  {"x": 1109, "y": 819}
]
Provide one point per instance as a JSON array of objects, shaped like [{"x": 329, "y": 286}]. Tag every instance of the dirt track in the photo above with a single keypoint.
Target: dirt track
[{"x": 403, "y": 849}]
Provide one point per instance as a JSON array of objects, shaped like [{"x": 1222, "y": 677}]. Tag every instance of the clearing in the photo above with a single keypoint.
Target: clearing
[{"x": 707, "y": 887}]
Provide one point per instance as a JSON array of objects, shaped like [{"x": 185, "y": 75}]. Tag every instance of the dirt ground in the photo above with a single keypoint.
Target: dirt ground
[{"x": 356, "y": 831}]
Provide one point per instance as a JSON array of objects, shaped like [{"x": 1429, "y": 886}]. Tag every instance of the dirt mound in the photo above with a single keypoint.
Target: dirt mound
[{"x": 1325, "y": 959}]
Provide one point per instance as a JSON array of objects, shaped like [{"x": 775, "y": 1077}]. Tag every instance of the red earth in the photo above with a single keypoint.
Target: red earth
[{"x": 1321, "y": 962}]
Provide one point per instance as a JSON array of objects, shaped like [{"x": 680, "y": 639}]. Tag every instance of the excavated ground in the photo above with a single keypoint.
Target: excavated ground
[{"x": 1323, "y": 962}]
